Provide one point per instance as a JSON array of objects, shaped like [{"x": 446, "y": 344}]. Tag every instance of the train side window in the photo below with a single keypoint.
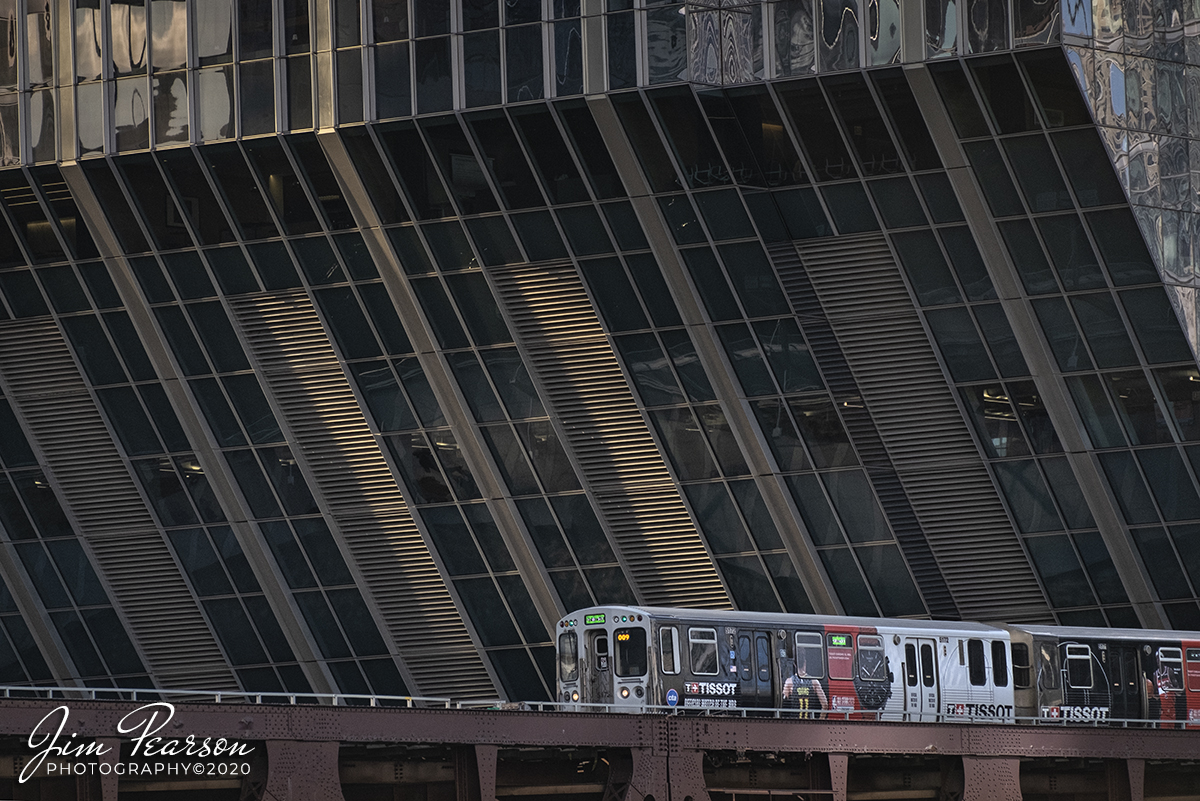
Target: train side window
[
  {"x": 1022, "y": 671},
  {"x": 871, "y": 664},
  {"x": 1079, "y": 667},
  {"x": 810, "y": 654},
  {"x": 1169, "y": 675},
  {"x": 668, "y": 650},
  {"x": 743, "y": 656},
  {"x": 999, "y": 664},
  {"x": 568, "y": 656},
  {"x": 910, "y": 665},
  {"x": 976, "y": 669},
  {"x": 1193, "y": 672},
  {"x": 1047, "y": 675},
  {"x": 631, "y": 652},
  {"x": 702, "y": 643}
]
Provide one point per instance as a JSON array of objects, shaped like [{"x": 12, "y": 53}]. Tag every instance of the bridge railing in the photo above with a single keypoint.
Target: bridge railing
[{"x": 147, "y": 695}]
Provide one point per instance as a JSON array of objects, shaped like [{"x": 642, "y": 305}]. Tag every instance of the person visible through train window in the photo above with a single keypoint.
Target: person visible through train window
[{"x": 802, "y": 691}]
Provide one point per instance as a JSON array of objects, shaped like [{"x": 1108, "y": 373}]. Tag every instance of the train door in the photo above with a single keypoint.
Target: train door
[
  {"x": 754, "y": 668},
  {"x": 599, "y": 656},
  {"x": 1125, "y": 681},
  {"x": 921, "y": 689},
  {"x": 1191, "y": 654}
]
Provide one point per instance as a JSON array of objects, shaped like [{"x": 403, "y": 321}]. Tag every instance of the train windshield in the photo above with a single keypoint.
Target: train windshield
[
  {"x": 631, "y": 652},
  {"x": 568, "y": 656}
]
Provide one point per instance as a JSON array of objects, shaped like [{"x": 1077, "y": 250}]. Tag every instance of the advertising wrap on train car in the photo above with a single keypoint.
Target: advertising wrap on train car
[{"x": 711, "y": 694}]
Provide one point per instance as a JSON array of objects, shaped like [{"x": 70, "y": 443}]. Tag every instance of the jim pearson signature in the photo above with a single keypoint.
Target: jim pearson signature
[{"x": 142, "y": 724}]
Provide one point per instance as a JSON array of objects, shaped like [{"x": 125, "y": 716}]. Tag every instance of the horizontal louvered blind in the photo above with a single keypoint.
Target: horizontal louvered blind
[
  {"x": 102, "y": 497},
  {"x": 894, "y": 365},
  {"x": 353, "y": 477},
  {"x": 861, "y": 428},
  {"x": 587, "y": 392}
]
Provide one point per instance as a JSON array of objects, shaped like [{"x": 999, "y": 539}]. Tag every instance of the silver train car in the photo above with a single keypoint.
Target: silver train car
[{"x": 643, "y": 659}]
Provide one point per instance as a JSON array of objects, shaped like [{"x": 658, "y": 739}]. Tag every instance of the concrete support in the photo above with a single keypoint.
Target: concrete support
[
  {"x": 301, "y": 771},
  {"x": 991, "y": 779}
]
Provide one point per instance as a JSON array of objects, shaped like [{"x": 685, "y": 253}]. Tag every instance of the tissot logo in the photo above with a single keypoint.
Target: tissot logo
[
  {"x": 1076, "y": 712},
  {"x": 710, "y": 688},
  {"x": 59, "y": 753},
  {"x": 979, "y": 710}
]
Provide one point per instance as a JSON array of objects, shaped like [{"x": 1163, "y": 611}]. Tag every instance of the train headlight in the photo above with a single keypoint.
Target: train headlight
[
  {"x": 624, "y": 692},
  {"x": 566, "y": 695},
  {"x": 639, "y": 692},
  {"x": 575, "y": 696}
]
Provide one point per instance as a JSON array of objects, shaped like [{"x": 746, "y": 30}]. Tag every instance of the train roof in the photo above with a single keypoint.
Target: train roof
[
  {"x": 781, "y": 619},
  {"x": 1097, "y": 633}
]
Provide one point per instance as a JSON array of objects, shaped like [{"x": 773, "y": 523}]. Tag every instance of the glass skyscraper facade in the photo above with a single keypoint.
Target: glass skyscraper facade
[{"x": 346, "y": 345}]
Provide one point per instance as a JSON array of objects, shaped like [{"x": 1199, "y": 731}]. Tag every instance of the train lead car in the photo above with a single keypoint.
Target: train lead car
[{"x": 639, "y": 659}]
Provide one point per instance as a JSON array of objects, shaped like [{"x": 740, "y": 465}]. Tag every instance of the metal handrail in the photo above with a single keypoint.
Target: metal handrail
[
  {"x": 234, "y": 697},
  {"x": 412, "y": 702}
]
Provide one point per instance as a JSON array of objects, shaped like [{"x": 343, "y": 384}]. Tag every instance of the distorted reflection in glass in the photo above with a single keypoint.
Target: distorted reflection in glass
[
  {"x": 1077, "y": 16},
  {"x": 1173, "y": 171},
  {"x": 1143, "y": 169},
  {"x": 128, "y": 19},
  {"x": 666, "y": 44},
  {"x": 41, "y": 125},
  {"x": 39, "y": 49},
  {"x": 1138, "y": 16},
  {"x": 883, "y": 31},
  {"x": 795, "y": 49},
  {"x": 704, "y": 46},
  {"x": 568, "y": 57},
  {"x": 987, "y": 26},
  {"x": 88, "y": 34},
  {"x": 524, "y": 61},
  {"x": 89, "y": 112},
  {"x": 131, "y": 114},
  {"x": 214, "y": 89},
  {"x": 10, "y": 142},
  {"x": 1139, "y": 93},
  {"x": 214, "y": 31},
  {"x": 168, "y": 34},
  {"x": 1036, "y": 22},
  {"x": 1106, "y": 17},
  {"x": 170, "y": 107},
  {"x": 8, "y": 43},
  {"x": 741, "y": 45},
  {"x": 838, "y": 45},
  {"x": 941, "y": 28}
]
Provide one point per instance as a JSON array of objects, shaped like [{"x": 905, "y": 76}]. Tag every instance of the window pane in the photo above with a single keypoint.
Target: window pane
[
  {"x": 718, "y": 518},
  {"x": 891, "y": 581},
  {"x": 856, "y": 506},
  {"x": 1161, "y": 563},
  {"x": 1061, "y": 574},
  {"x": 1028, "y": 498}
]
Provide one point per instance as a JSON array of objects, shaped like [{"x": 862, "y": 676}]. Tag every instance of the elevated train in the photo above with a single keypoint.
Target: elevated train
[{"x": 637, "y": 659}]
